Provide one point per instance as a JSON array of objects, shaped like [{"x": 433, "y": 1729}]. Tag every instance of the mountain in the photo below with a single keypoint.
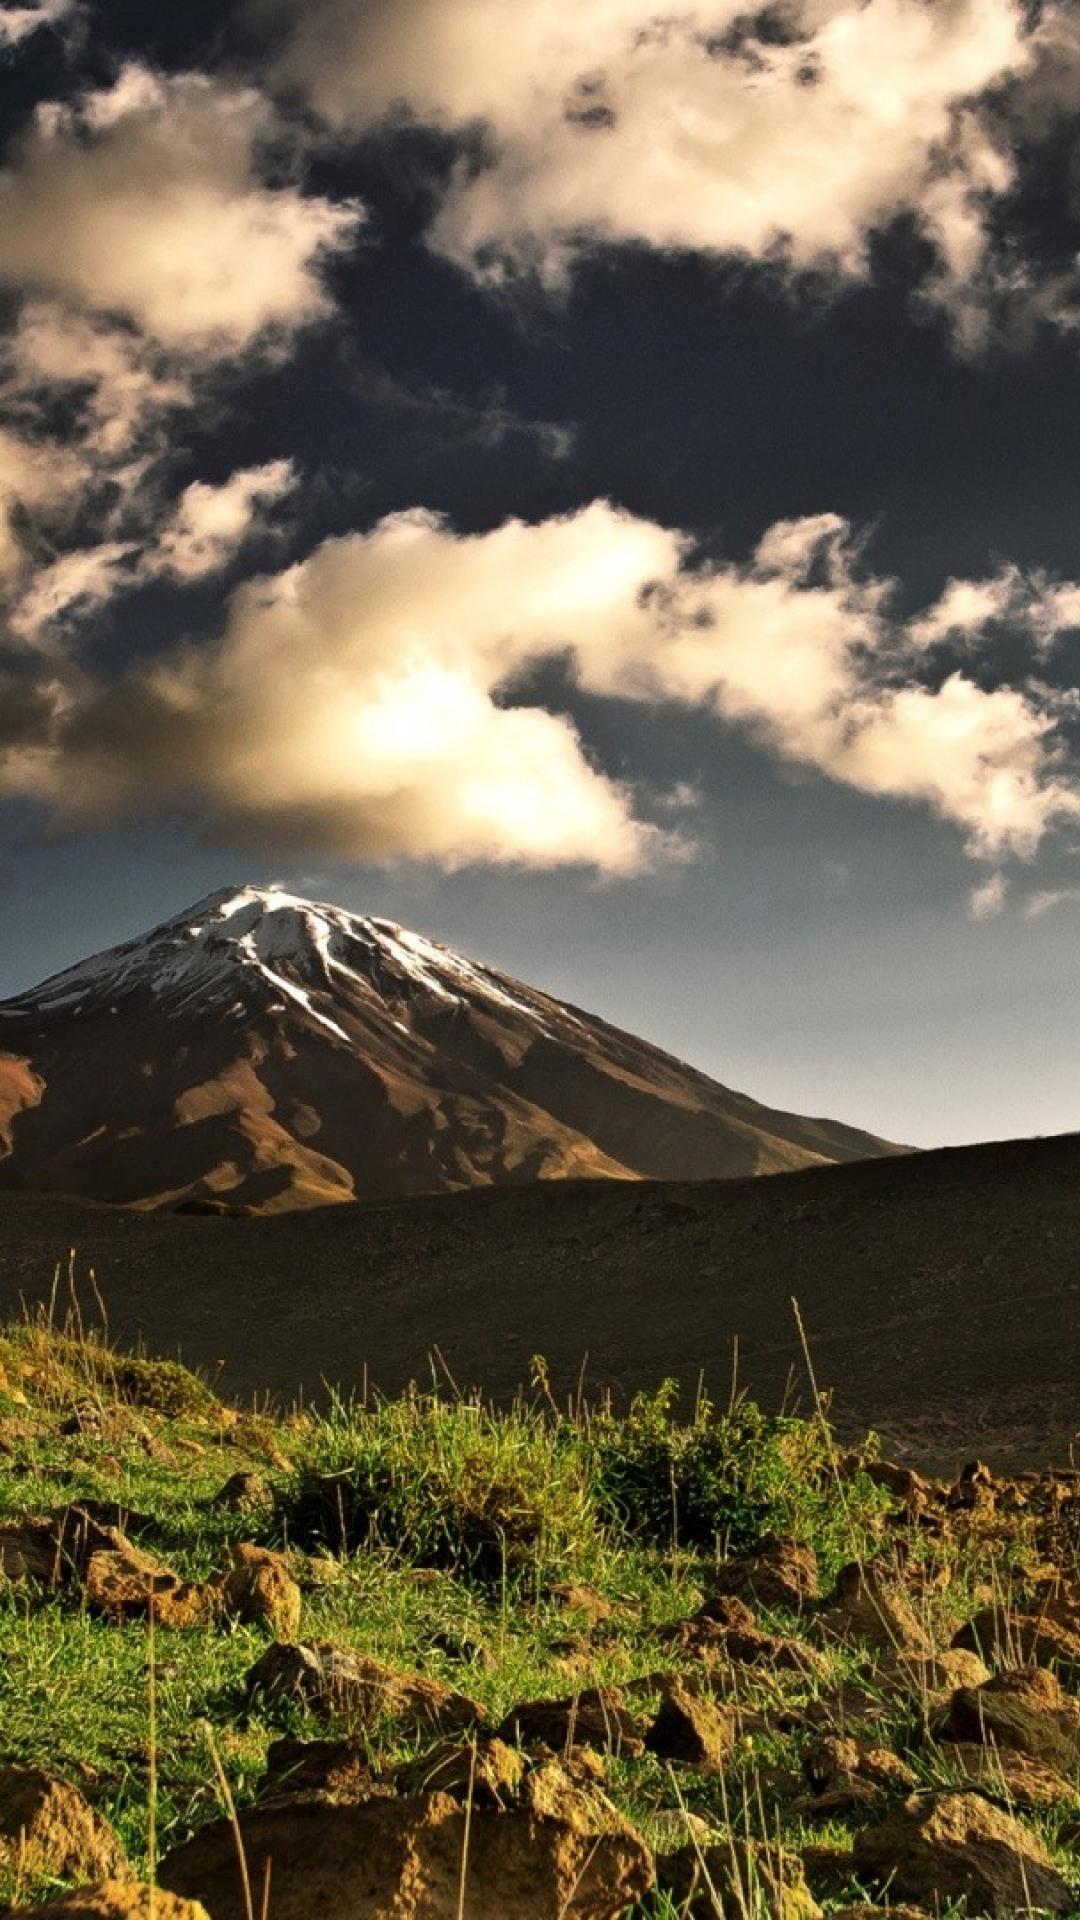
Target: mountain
[{"x": 270, "y": 1052}]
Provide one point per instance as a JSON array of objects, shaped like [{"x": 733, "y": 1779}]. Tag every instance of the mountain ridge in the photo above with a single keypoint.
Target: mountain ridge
[{"x": 266, "y": 1051}]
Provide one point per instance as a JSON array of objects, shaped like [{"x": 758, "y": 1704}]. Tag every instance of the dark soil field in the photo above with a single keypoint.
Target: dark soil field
[{"x": 940, "y": 1292}]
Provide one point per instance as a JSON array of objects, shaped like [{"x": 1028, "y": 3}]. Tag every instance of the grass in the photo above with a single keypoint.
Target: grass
[{"x": 430, "y": 1532}]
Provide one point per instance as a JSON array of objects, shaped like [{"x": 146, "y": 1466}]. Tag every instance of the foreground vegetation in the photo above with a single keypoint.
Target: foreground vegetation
[{"x": 528, "y": 1555}]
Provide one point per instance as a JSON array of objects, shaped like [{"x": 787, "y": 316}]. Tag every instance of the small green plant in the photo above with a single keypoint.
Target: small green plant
[{"x": 444, "y": 1483}]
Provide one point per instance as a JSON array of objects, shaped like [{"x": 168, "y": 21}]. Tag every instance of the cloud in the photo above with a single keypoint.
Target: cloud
[
  {"x": 211, "y": 523},
  {"x": 377, "y": 700},
  {"x": 18, "y": 23},
  {"x": 1048, "y": 899},
  {"x": 987, "y": 900},
  {"x": 146, "y": 201},
  {"x": 786, "y": 135}
]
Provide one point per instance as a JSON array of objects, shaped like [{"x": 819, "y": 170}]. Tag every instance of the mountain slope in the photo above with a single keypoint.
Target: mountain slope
[{"x": 275, "y": 1053}]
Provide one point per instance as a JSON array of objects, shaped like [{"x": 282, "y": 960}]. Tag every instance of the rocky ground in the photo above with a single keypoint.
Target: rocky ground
[{"x": 417, "y": 1659}]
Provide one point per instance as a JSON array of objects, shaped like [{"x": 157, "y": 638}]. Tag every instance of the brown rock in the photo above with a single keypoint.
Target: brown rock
[
  {"x": 745, "y": 1878},
  {"x": 932, "y": 1678},
  {"x": 1006, "y": 1775},
  {"x": 122, "y": 1582},
  {"x": 260, "y": 1590},
  {"x": 578, "y": 1597},
  {"x": 956, "y": 1846},
  {"x": 596, "y": 1717},
  {"x": 691, "y": 1727},
  {"x": 114, "y": 1900},
  {"x": 404, "y": 1858},
  {"x": 838, "y": 1757},
  {"x": 827, "y": 1869},
  {"x": 48, "y": 1827},
  {"x": 1025, "y": 1710},
  {"x": 30, "y": 1552},
  {"x": 782, "y": 1573},
  {"x": 866, "y": 1912},
  {"x": 487, "y": 1770},
  {"x": 339, "y": 1768},
  {"x": 1009, "y": 1638},
  {"x": 719, "y": 1646},
  {"x": 244, "y": 1492},
  {"x": 873, "y": 1610},
  {"x": 334, "y": 1680}
]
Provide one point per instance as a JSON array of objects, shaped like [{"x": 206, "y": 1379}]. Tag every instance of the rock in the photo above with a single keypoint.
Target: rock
[
  {"x": 113, "y": 1900},
  {"x": 488, "y": 1769},
  {"x": 956, "y": 1846},
  {"x": 782, "y": 1573},
  {"x": 1024, "y": 1709},
  {"x": 932, "y": 1678},
  {"x": 1004, "y": 1774},
  {"x": 691, "y": 1727},
  {"x": 743, "y": 1877},
  {"x": 121, "y": 1581},
  {"x": 339, "y": 1768},
  {"x": 260, "y": 1590},
  {"x": 48, "y": 1827},
  {"x": 717, "y": 1645},
  {"x": 1009, "y": 1638},
  {"x": 334, "y": 1680},
  {"x": 828, "y": 1870},
  {"x": 872, "y": 1610},
  {"x": 404, "y": 1858},
  {"x": 867, "y": 1912},
  {"x": 30, "y": 1552},
  {"x": 244, "y": 1492},
  {"x": 837, "y": 1759},
  {"x": 578, "y": 1597},
  {"x": 596, "y": 1717}
]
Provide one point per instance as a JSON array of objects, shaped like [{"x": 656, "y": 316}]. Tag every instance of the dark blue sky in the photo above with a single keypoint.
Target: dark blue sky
[{"x": 799, "y": 877}]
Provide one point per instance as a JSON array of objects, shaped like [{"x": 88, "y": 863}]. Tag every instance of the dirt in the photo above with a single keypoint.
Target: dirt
[{"x": 939, "y": 1291}]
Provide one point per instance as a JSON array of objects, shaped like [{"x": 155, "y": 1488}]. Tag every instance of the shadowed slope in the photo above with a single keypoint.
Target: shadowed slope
[{"x": 940, "y": 1290}]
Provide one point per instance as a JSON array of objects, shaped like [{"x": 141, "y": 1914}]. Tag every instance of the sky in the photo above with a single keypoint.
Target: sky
[{"x": 595, "y": 484}]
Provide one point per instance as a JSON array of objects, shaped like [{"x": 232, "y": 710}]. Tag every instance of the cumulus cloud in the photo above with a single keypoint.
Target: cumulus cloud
[
  {"x": 788, "y": 135},
  {"x": 146, "y": 201},
  {"x": 1047, "y": 899},
  {"x": 987, "y": 900},
  {"x": 210, "y": 523},
  {"x": 373, "y": 700},
  {"x": 17, "y": 23}
]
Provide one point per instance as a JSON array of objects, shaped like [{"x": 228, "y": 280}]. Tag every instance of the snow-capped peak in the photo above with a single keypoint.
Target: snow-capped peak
[{"x": 303, "y": 951}]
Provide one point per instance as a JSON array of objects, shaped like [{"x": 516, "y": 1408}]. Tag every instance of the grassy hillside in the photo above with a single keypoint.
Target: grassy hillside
[{"x": 530, "y": 1555}]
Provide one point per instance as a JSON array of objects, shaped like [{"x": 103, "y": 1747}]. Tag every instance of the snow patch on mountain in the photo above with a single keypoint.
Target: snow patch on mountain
[{"x": 304, "y": 950}]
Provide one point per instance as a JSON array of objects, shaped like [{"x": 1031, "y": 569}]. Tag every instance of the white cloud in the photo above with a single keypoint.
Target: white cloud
[
  {"x": 146, "y": 201},
  {"x": 210, "y": 523},
  {"x": 17, "y": 23},
  {"x": 987, "y": 900},
  {"x": 372, "y": 701},
  {"x": 1047, "y": 899},
  {"x": 611, "y": 121}
]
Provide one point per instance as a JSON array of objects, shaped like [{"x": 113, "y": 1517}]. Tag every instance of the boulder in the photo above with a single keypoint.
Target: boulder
[
  {"x": 744, "y": 1877},
  {"x": 691, "y": 1727},
  {"x": 122, "y": 1581},
  {"x": 405, "y": 1858},
  {"x": 937, "y": 1848},
  {"x": 48, "y": 1827},
  {"x": 487, "y": 1770},
  {"x": 340, "y": 1768},
  {"x": 260, "y": 1590},
  {"x": 244, "y": 1492},
  {"x": 596, "y": 1717},
  {"x": 1024, "y": 1709},
  {"x": 931, "y": 1678},
  {"x": 876, "y": 1612},
  {"x": 113, "y": 1900},
  {"x": 578, "y": 1597},
  {"x": 332, "y": 1680},
  {"x": 847, "y": 1775},
  {"x": 1001, "y": 1773},
  {"x": 1006, "y": 1637},
  {"x": 781, "y": 1573}
]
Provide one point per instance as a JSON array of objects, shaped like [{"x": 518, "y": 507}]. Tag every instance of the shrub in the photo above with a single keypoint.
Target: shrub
[
  {"x": 444, "y": 1484},
  {"x": 725, "y": 1481}
]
